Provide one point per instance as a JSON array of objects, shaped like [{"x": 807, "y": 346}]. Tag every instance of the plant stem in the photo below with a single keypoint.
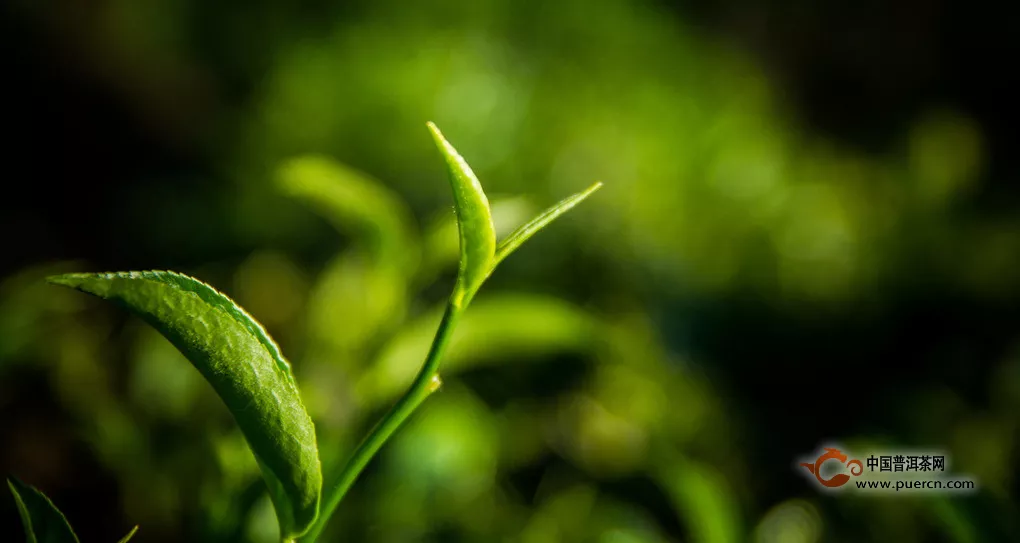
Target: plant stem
[{"x": 424, "y": 384}]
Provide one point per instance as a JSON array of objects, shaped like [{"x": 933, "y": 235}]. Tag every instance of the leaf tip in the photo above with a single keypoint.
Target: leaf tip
[
  {"x": 474, "y": 219},
  {"x": 17, "y": 486},
  {"x": 66, "y": 280},
  {"x": 438, "y": 137},
  {"x": 129, "y": 535},
  {"x": 588, "y": 192},
  {"x": 452, "y": 157}
]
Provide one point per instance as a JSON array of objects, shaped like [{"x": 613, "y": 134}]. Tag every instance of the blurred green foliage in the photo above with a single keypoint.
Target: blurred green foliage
[{"x": 572, "y": 410}]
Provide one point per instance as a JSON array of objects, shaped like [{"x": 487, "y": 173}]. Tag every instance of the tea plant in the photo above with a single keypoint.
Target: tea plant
[{"x": 246, "y": 369}]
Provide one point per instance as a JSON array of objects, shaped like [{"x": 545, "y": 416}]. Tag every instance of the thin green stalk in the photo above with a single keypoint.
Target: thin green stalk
[{"x": 424, "y": 384}]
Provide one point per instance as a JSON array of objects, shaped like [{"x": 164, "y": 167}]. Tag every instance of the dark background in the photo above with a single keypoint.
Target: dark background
[{"x": 137, "y": 138}]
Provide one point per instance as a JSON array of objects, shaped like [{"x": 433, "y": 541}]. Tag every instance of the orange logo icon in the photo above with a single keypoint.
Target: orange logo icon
[{"x": 839, "y": 479}]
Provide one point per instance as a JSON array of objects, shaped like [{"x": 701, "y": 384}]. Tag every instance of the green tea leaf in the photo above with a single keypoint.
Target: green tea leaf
[
  {"x": 440, "y": 239},
  {"x": 129, "y": 535},
  {"x": 245, "y": 368},
  {"x": 43, "y": 522},
  {"x": 474, "y": 220},
  {"x": 522, "y": 234}
]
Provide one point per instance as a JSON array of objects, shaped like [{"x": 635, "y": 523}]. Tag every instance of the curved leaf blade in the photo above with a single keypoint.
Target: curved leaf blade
[
  {"x": 43, "y": 522},
  {"x": 474, "y": 221},
  {"x": 245, "y": 368},
  {"x": 532, "y": 227},
  {"x": 129, "y": 535},
  {"x": 441, "y": 242}
]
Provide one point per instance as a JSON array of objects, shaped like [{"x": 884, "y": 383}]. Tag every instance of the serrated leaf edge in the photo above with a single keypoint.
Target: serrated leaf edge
[{"x": 204, "y": 291}]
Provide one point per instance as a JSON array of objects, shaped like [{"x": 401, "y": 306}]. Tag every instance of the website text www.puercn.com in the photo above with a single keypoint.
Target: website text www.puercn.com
[{"x": 915, "y": 485}]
